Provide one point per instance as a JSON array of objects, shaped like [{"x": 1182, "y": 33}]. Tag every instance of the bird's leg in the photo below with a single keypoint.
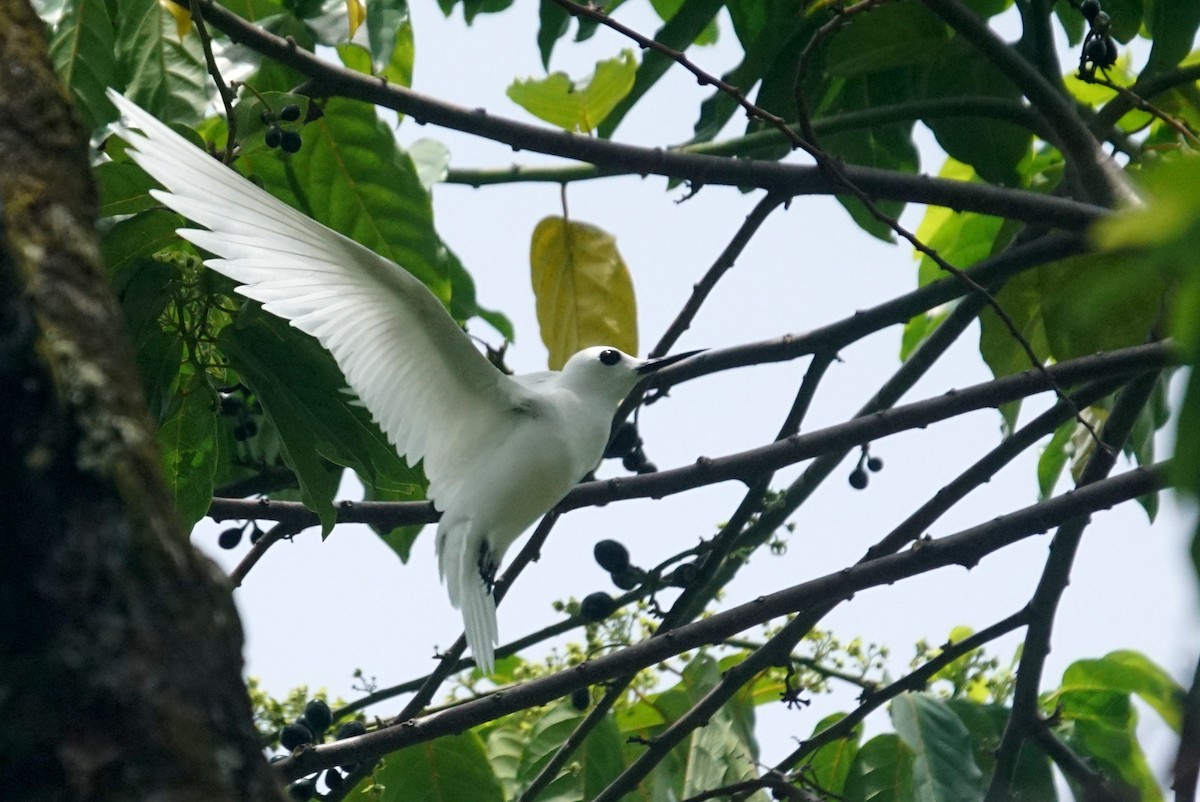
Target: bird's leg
[{"x": 487, "y": 565}]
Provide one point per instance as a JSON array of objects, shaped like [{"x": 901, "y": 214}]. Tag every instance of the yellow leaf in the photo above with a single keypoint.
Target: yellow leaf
[
  {"x": 183, "y": 19},
  {"x": 583, "y": 290},
  {"x": 356, "y": 12}
]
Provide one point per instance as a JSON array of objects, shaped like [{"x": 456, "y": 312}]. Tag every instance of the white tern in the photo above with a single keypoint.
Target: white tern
[{"x": 499, "y": 451}]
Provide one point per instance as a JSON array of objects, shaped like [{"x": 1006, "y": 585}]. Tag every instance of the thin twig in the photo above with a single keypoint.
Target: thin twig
[
  {"x": 223, "y": 90},
  {"x": 724, "y": 262}
]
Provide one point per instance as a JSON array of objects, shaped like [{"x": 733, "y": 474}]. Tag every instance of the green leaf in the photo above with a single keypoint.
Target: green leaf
[
  {"x": 553, "y": 23},
  {"x": 505, "y": 744},
  {"x": 166, "y": 76},
  {"x": 829, "y": 767},
  {"x": 891, "y": 35},
  {"x": 1094, "y": 704},
  {"x": 1126, "y": 16},
  {"x": 82, "y": 50},
  {"x": 124, "y": 188},
  {"x": 1103, "y": 729},
  {"x": 887, "y": 147},
  {"x": 995, "y": 148},
  {"x": 1172, "y": 25},
  {"x": 882, "y": 772},
  {"x": 454, "y": 767},
  {"x": 144, "y": 291},
  {"x": 1098, "y": 302},
  {"x": 388, "y": 24},
  {"x": 138, "y": 237},
  {"x": 1054, "y": 458},
  {"x": 688, "y": 21},
  {"x": 1021, "y": 299},
  {"x": 1033, "y": 779},
  {"x": 299, "y": 387},
  {"x": 943, "y": 767},
  {"x": 594, "y": 765},
  {"x": 772, "y": 36},
  {"x": 583, "y": 289},
  {"x": 1072, "y": 23},
  {"x": 1126, "y": 672},
  {"x": 188, "y": 441},
  {"x": 577, "y": 106},
  {"x": 431, "y": 159}
]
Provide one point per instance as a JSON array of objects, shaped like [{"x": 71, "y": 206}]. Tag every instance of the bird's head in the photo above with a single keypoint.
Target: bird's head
[{"x": 609, "y": 373}]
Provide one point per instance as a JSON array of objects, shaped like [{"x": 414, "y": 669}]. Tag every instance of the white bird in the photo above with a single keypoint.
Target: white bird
[{"x": 498, "y": 451}]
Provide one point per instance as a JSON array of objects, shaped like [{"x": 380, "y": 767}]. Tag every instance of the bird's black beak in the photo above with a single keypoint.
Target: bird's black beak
[{"x": 657, "y": 364}]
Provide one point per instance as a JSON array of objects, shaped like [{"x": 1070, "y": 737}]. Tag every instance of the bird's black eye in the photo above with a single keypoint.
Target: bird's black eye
[{"x": 610, "y": 356}]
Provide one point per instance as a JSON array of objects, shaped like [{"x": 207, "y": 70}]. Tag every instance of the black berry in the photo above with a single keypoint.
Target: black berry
[
  {"x": 318, "y": 715},
  {"x": 351, "y": 729},
  {"x": 290, "y": 113},
  {"x": 256, "y": 535},
  {"x": 597, "y": 606},
  {"x": 632, "y": 462},
  {"x": 647, "y": 467},
  {"x": 611, "y": 555},
  {"x": 1110, "y": 52},
  {"x": 858, "y": 478},
  {"x": 875, "y": 465},
  {"x": 624, "y": 441},
  {"x": 291, "y": 142},
  {"x": 294, "y": 735},
  {"x": 628, "y": 579},
  {"x": 1089, "y": 9},
  {"x": 1095, "y": 51},
  {"x": 231, "y": 405},
  {"x": 581, "y": 698},
  {"x": 267, "y": 117},
  {"x": 274, "y": 136},
  {"x": 684, "y": 575},
  {"x": 230, "y": 538},
  {"x": 334, "y": 779},
  {"x": 302, "y": 790}
]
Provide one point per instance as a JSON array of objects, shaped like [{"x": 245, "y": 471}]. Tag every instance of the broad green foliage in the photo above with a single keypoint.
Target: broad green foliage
[
  {"x": 455, "y": 767},
  {"x": 577, "y": 105},
  {"x": 1099, "y": 720},
  {"x": 583, "y": 289},
  {"x": 943, "y": 767}
]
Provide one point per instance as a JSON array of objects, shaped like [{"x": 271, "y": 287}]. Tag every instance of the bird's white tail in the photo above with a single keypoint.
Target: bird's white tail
[{"x": 458, "y": 562}]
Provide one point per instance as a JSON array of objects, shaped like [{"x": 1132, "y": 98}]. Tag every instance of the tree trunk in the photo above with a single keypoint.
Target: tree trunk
[{"x": 120, "y": 649}]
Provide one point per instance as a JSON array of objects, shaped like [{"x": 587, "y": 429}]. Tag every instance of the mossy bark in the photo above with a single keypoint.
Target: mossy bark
[{"x": 120, "y": 649}]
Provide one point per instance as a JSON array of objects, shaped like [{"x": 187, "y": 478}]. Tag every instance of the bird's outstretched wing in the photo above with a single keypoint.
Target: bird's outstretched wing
[{"x": 430, "y": 391}]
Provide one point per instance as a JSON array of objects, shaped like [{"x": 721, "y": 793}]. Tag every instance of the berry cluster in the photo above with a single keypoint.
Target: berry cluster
[
  {"x": 627, "y": 444},
  {"x": 614, "y": 558},
  {"x": 231, "y": 537},
  {"x": 858, "y": 477},
  {"x": 310, "y": 729},
  {"x": 243, "y": 414},
  {"x": 277, "y": 136},
  {"x": 1099, "y": 48}
]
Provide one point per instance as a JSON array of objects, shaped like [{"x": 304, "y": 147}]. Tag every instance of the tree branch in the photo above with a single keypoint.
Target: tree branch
[
  {"x": 1082, "y": 151},
  {"x": 1025, "y": 717},
  {"x": 787, "y": 179},
  {"x": 964, "y": 548}
]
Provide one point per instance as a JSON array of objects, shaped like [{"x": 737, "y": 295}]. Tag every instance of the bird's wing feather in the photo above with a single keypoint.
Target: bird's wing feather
[{"x": 421, "y": 378}]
